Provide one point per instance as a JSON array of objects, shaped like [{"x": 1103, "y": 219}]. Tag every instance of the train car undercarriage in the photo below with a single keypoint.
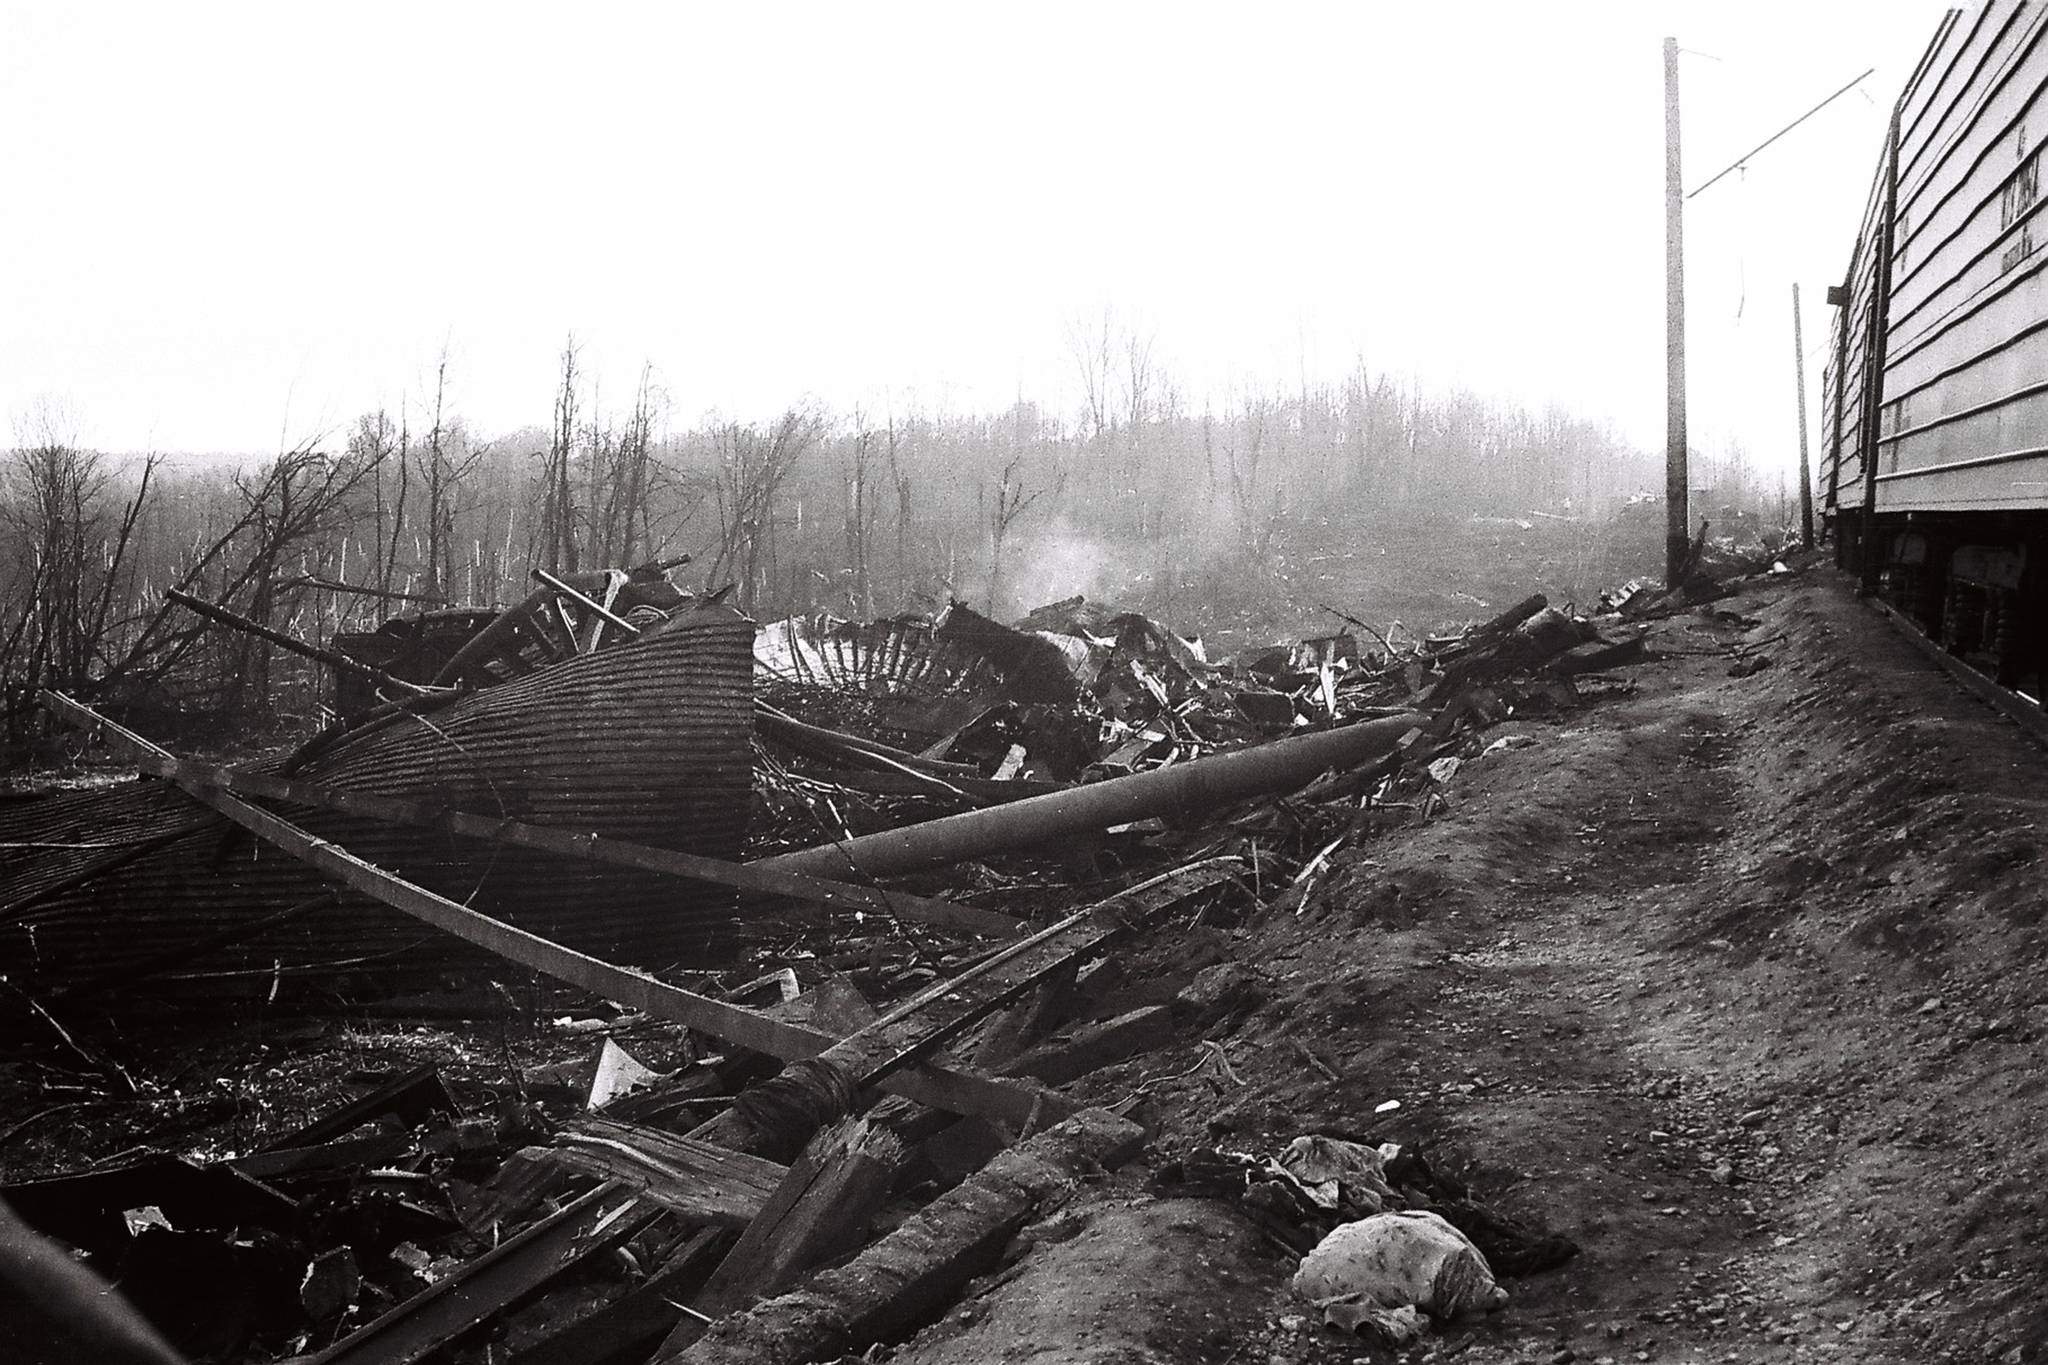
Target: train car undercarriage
[{"x": 1975, "y": 582}]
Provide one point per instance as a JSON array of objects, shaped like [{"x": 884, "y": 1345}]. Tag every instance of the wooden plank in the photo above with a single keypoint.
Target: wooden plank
[
  {"x": 919, "y": 1268},
  {"x": 703, "y": 1182},
  {"x": 590, "y": 847},
  {"x": 630, "y": 1329},
  {"x": 960, "y": 1092},
  {"x": 1094, "y": 1046},
  {"x": 948, "y": 1007},
  {"x": 821, "y": 1210},
  {"x": 342, "y": 1154},
  {"x": 809, "y": 1216},
  {"x": 413, "y": 1097},
  {"x": 416, "y": 1327}
]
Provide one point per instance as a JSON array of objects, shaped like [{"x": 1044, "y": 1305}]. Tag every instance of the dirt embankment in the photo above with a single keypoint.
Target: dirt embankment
[{"x": 1737, "y": 980}]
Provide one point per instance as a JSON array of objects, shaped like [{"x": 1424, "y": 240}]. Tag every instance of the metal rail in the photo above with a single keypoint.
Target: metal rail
[{"x": 2014, "y": 707}]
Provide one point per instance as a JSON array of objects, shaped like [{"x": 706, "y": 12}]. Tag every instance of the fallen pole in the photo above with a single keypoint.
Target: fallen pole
[
  {"x": 1180, "y": 790},
  {"x": 293, "y": 644}
]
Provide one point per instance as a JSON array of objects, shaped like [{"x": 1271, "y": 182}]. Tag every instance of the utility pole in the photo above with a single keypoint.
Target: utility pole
[
  {"x": 1676, "y": 541},
  {"x": 1805, "y": 471},
  {"x": 1677, "y": 535}
]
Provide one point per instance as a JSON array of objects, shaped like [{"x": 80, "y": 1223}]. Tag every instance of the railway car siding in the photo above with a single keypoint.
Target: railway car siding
[{"x": 1934, "y": 470}]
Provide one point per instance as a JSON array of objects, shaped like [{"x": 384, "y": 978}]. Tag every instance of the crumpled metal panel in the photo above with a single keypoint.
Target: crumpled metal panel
[
  {"x": 206, "y": 883},
  {"x": 649, "y": 741},
  {"x": 897, "y": 656}
]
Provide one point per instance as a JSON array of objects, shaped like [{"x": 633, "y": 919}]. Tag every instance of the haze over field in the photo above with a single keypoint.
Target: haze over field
[{"x": 239, "y": 226}]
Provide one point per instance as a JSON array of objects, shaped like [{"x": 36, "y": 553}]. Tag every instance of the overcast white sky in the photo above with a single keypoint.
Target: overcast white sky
[{"x": 230, "y": 227}]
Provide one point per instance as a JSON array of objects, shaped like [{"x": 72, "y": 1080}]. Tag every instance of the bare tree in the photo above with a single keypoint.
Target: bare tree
[
  {"x": 373, "y": 443},
  {"x": 72, "y": 557},
  {"x": 1140, "y": 376},
  {"x": 752, "y": 467},
  {"x": 1011, "y": 501},
  {"x": 558, "y": 503},
  {"x": 622, "y": 477},
  {"x": 904, "y": 486},
  {"x": 861, "y": 515},
  {"x": 446, "y": 461},
  {"x": 1258, "y": 521},
  {"x": 1093, "y": 346}
]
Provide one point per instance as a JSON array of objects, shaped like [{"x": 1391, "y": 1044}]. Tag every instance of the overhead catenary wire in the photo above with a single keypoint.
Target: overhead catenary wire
[{"x": 1743, "y": 160}]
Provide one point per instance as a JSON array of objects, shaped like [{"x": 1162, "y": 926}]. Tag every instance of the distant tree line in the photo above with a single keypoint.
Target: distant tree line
[{"x": 865, "y": 513}]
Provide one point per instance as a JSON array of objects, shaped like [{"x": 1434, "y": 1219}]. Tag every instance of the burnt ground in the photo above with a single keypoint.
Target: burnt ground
[{"x": 1737, "y": 981}]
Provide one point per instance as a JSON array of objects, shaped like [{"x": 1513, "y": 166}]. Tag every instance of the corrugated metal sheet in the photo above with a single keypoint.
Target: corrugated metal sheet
[
  {"x": 900, "y": 656},
  {"x": 649, "y": 741},
  {"x": 203, "y": 883}
]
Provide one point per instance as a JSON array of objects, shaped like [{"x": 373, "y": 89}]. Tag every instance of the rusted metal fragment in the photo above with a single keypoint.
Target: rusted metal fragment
[{"x": 1029, "y": 667}]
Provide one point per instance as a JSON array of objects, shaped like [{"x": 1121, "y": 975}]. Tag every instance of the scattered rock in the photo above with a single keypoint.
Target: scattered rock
[{"x": 1223, "y": 989}]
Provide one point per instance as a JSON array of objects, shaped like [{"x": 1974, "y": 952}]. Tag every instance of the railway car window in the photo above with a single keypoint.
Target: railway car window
[
  {"x": 2021, "y": 191},
  {"x": 2022, "y": 247},
  {"x": 2014, "y": 205}
]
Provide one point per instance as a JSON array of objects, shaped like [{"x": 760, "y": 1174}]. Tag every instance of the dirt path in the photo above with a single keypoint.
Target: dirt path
[{"x": 1737, "y": 981}]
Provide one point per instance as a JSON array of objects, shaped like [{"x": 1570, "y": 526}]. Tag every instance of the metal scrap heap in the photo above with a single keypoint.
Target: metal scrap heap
[{"x": 842, "y": 886}]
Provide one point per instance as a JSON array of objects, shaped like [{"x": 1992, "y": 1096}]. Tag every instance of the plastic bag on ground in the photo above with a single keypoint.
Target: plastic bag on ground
[{"x": 1397, "y": 1260}]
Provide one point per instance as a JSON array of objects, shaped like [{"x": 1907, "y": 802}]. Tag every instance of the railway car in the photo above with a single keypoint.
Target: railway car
[{"x": 1934, "y": 460}]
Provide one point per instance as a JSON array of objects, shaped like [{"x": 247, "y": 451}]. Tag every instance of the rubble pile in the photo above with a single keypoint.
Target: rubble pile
[{"x": 953, "y": 822}]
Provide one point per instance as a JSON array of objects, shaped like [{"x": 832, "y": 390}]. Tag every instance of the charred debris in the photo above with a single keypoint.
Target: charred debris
[{"x": 813, "y": 916}]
